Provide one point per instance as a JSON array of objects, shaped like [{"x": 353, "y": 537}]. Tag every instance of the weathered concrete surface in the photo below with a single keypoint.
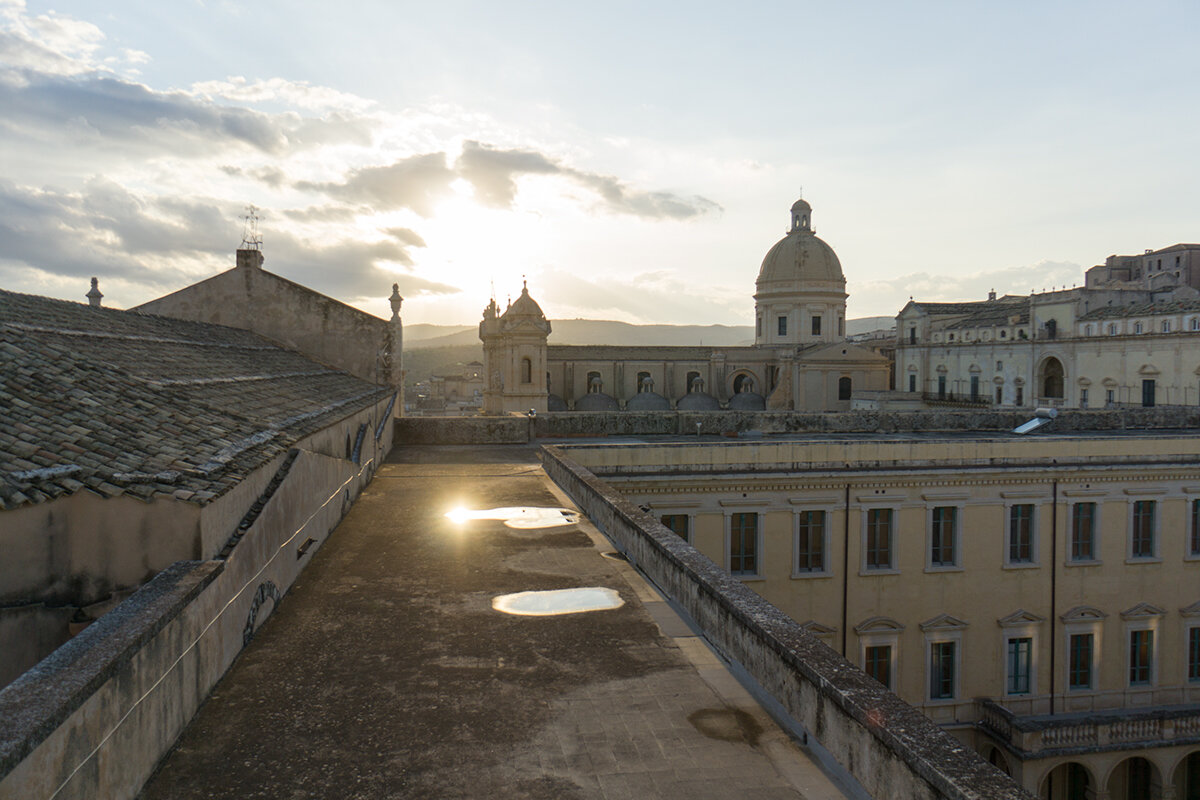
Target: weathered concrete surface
[{"x": 386, "y": 673}]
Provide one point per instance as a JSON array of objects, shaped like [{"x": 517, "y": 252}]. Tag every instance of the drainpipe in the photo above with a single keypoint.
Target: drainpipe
[
  {"x": 845, "y": 567},
  {"x": 1053, "y": 585}
]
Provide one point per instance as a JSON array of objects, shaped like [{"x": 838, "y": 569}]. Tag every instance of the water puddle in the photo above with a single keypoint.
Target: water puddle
[
  {"x": 558, "y": 601},
  {"x": 524, "y": 517}
]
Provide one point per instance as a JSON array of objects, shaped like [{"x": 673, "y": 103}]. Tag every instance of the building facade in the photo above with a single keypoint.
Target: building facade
[
  {"x": 800, "y": 358},
  {"x": 1129, "y": 337},
  {"x": 1040, "y": 598}
]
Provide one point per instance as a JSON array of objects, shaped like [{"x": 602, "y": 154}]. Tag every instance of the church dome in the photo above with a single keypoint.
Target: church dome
[{"x": 801, "y": 257}]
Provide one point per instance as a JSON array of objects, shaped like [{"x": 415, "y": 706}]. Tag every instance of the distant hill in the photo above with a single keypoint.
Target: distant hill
[{"x": 598, "y": 331}]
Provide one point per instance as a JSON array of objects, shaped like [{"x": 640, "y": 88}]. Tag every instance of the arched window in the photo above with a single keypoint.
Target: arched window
[
  {"x": 526, "y": 371},
  {"x": 644, "y": 384},
  {"x": 844, "y": 388},
  {"x": 743, "y": 383},
  {"x": 694, "y": 384},
  {"x": 594, "y": 384}
]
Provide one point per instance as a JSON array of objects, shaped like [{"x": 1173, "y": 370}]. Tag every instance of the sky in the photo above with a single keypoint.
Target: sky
[{"x": 630, "y": 160}]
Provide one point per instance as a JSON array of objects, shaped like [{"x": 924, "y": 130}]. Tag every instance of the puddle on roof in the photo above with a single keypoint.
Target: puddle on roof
[
  {"x": 518, "y": 516},
  {"x": 558, "y": 601}
]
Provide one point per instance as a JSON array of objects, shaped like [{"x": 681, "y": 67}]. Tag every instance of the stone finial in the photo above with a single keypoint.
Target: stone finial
[
  {"x": 94, "y": 295},
  {"x": 395, "y": 300}
]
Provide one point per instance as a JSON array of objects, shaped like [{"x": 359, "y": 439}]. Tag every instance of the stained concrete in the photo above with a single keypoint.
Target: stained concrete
[{"x": 385, "y": 672}]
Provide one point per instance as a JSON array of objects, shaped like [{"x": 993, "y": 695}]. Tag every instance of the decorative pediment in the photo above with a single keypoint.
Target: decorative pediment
[
  {"x": 878, "y": 625},
  {"x": 1191, "y": 611},
  {"x": 1085, "y": 381},
  {"x": 817, "y": 629},
  {"x": 943, "y": 622},
  {"x": 1020, "y": 618},
  {"x": 1083, "y": 614},
  {"x": 1110, "y": 382},
  {"x": 1148, "y": 369},
  {"x": 941, "y": 368},
  {"x": 1142, "y": 611},
  {"x": 974, "y": 368}
]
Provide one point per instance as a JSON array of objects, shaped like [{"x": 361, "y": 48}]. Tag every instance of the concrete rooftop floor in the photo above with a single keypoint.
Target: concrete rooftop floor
[{"x": 385, "y": 671}]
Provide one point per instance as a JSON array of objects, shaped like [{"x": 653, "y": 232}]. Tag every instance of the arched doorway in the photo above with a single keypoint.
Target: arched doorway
[
  {"x": 1069, "y": 781},
  {"x": 844, "y": 388},
  {"x": 1051, "y": 379},
  {"x": 1187, "y": 777},
  {"x": 997, "y": 760},
  {"x": 1135, "y": 779}
]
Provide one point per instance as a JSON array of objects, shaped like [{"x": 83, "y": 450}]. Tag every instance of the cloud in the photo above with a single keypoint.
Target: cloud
[
  {"x": 658, "y": 296},
  {"x": 415, "y": 183},
  {"x": 116, "y": 111},
  {"x": 889, "y": 296},
  {"x": 293, "y": 94},
  {"x": 163, "y": 242},
  {"x": 492, "y": 172}
]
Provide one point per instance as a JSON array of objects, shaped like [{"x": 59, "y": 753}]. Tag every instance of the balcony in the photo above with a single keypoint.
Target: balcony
[{"x": 1045, "y": 735}]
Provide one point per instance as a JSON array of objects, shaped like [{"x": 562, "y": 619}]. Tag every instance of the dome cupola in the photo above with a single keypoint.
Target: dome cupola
[{"x": 800, "y": 294}]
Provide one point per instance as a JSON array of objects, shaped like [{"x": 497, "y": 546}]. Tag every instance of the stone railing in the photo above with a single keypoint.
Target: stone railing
[
  {"x": 889, "y": 747},
  {"x": 519, "y": 429},
  {"x": 1062, "y": 734}
]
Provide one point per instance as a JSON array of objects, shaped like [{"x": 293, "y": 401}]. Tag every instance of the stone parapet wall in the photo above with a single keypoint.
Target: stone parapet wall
[
  {"x": 515, "y": 429},
  {"x": 889, "y": 747},
  {"x": 94, "y": 718}
]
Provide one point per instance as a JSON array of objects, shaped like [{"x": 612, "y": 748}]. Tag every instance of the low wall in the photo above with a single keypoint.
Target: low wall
[
  {"x": 94, "y": 718},
  {"x": 518, "y": 429},
  {"x": 888, "y": 746}
]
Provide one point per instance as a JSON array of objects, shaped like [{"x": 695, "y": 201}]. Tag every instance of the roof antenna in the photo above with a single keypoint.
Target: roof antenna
[{"x": 251, "y": 238}]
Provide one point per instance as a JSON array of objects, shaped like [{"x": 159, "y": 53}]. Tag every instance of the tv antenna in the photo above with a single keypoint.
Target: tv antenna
[{"x": 251, "y": 238}]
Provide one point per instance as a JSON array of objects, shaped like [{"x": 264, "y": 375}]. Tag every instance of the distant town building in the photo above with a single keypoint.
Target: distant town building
[
  {"x": 800, "y": 360},
  {"x": 1129, "y": 336}
]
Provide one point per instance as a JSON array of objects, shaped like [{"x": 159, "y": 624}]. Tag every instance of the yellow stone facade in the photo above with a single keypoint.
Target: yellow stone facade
[{"x": 1040, "y": 597}]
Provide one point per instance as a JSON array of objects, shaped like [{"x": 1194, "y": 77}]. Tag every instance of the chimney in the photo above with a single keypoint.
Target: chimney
[
  {"x": 250, "y": 259},
  {"x": 94, "y": 295}
]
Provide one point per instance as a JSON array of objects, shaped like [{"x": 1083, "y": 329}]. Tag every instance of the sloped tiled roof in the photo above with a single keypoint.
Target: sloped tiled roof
[
  {"x": 121, "y": 402},
  {"x": 1142, "y": 310},
  {"x": 995, "y": 314}
]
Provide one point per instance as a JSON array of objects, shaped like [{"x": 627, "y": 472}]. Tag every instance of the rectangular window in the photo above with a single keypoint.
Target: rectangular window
[
  {"x": 1079, "y": 660},
  {"x": 1148, "y": 393},
  {"x": 816, "y": 326},
  {"x": 1020, "y": 395},
  {"x": 678, "y": 523},
  {"x": 1020, "y": 534},
  {"x": 912, "y": 383},
  {"x": 1083, "y": 532},
  {"x": 1194, "y": 538},
  {"x": 941, "y": 387},
  {"x": 974, "y": 388},
  {"x": 758, "y": 327},
  {"x": 1020, "y": 665},
  {"x": 999, "y": 395},
  {"x": 1109, "y": 396},
  {"x": 941, "y": 670},
  {"x": 1141, "y": 544},
  {"x": 743, "y": 544},
  {"x": 942, "y": 537},
  {"x": 879, "y": 663},
  {"x": 1083, "y": 398},
  {"x": 1193, "y": 669},
  {"x": 912, "y": 335},
  {"x": 879, "y": 538},
  {"x": 1141, "y": 648},
  {"x": 783, "y": 326},
  {"x": 1166, "y": 326},
  {"x": 810, "y": 542}
]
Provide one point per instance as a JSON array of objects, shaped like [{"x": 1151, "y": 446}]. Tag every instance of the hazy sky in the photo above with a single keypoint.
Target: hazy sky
[{"x": 634, "y": 160}]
